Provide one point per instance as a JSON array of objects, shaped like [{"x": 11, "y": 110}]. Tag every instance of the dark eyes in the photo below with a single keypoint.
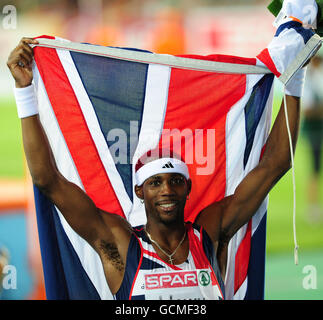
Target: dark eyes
[
  {"x": 178, "y": 180},
  {"x": 155, "y": 183},
  {"x": 174, "y": 181}
]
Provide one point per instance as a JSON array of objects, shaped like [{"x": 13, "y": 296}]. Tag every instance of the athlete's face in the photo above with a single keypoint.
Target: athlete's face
[{"x": 165, "y": 197}]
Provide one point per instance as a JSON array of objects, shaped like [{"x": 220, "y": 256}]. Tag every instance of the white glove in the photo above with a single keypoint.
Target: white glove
[{"x": 304, "y": 11}]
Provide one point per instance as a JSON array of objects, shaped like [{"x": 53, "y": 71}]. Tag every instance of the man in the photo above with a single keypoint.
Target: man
[{"x": 138, "y": 262}]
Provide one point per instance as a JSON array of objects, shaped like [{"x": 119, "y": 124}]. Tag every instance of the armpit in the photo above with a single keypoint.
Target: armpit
[{"x": 110, "y": 252}]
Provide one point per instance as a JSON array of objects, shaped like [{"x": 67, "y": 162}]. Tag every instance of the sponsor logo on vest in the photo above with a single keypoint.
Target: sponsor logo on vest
[
  {"x": 204, "y": 278},
  {"x": 172, "y": 280}
]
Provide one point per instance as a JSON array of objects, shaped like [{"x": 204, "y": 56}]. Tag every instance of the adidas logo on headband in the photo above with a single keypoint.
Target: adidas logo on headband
[
  {"x": 159, "y": 166},
  {"x": 171, "y": 164},
  {"x": 168, "y": 165}
]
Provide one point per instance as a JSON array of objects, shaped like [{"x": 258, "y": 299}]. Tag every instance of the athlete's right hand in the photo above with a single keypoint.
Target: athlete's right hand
[{"x": 20, "y": 62}]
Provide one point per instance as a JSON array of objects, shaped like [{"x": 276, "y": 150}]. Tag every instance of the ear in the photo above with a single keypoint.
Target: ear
[{"x": 139, "y": 192}]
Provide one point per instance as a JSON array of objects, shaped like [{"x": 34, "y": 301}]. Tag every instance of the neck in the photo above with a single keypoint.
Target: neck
[{"x": 167, "y": 236}]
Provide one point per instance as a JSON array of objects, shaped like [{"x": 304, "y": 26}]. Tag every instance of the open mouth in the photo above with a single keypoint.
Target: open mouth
[{"x": 168, "y": 206}]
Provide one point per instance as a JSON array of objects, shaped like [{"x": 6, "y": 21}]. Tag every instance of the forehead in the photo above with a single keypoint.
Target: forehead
[{"x": 163, "y": 176}]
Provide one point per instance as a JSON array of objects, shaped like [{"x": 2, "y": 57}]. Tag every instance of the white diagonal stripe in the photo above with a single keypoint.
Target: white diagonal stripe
[
  {"x": 95, "y": 130},
  {"x": 151, "y": 127}
]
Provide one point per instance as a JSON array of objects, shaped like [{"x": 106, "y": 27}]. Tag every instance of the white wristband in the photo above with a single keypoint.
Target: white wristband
[
  {"x": 295, "y": 85},
  {"x": 26, "y": 101}
]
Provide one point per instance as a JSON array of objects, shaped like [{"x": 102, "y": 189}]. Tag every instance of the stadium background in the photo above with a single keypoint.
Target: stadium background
[{"x": 240, "y": 28}]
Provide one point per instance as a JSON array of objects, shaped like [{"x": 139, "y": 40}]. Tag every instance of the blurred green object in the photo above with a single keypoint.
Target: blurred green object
[
  {"x": 286, "y": 281},
  {"x": 280, "y": 208},
  {"x": 11, "y": 150},
  {"x": 276, "y": 5}
]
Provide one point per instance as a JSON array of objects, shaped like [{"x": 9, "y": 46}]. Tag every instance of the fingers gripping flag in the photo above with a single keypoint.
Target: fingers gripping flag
[{"x": 101, "y": 114}]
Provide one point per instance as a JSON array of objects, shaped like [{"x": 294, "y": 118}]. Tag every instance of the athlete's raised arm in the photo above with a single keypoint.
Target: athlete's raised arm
[
  {"x": 78, "y": 209},
  {"x": 236, "y": 210},
  {"x": 276, "y": 161}
]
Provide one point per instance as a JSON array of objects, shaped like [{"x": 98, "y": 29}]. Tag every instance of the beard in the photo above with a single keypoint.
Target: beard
[{"x": 167, "y": 218}]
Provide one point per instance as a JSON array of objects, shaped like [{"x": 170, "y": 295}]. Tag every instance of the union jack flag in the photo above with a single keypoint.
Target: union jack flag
[{"x": 102, "y": 112}]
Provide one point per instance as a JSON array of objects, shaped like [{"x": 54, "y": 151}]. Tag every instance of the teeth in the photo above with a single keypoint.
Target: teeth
[{"x": 167, "y": 205}]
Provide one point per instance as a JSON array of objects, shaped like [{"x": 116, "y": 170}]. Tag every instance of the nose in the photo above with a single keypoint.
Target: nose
[{"x": 167, "y": 189}]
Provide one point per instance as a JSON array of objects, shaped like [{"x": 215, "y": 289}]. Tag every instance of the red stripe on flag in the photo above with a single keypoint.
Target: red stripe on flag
[
  {"x": 265, "y": 57},
  {"x": 191, "y": 110},
  {"x": 242, "y": 259},
  {"x": 75, "y": 131}
]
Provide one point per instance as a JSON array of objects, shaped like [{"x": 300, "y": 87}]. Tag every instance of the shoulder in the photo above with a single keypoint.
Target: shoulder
[
  {"x": 139, "y": 232},
  {"x": 210, "y": 218}
]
